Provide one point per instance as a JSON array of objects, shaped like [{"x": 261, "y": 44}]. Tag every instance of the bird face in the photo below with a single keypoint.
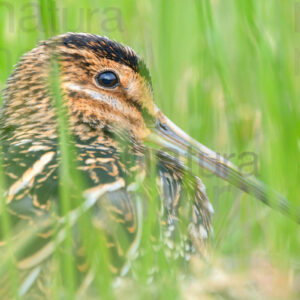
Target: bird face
[{"x": 105, "y": 84}]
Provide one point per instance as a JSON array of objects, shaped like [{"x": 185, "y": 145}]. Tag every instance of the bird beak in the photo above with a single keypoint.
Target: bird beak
[{"x": 172, "y": 139}]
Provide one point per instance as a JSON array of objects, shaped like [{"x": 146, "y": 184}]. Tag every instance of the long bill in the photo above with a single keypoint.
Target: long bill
[{"x": 171, "y": 138}]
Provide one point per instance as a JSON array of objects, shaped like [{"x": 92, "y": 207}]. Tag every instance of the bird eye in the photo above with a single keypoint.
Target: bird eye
[{"x": 107, "y": 79}]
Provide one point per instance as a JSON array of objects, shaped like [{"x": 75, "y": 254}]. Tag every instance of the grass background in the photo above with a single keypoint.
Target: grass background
[{"x": 227, "y": 72}]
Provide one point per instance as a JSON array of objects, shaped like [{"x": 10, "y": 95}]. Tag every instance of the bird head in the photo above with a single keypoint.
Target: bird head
[{"x": 105, "y": 83}]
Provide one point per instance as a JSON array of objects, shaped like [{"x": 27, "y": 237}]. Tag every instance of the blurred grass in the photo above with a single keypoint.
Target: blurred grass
[{"x": 224, "y": 71}]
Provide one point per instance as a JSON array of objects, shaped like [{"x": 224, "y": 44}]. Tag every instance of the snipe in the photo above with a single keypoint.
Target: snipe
[{"x": 107, "y": 90}]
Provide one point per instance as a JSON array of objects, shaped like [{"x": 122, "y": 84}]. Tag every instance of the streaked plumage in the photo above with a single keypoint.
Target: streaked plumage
[
  {"x": 110, "y": 126},
  {"x": 105, "y": 127}
]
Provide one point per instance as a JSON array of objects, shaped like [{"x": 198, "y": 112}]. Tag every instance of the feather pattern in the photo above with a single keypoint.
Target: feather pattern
[{"x": 110, "y": 156}]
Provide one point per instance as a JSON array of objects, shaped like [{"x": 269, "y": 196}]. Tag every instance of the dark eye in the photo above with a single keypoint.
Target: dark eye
[{"x": 107, "y": 79}]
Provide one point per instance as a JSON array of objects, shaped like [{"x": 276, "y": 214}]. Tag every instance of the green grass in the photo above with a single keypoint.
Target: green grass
[{"x": 226, "y": 73}]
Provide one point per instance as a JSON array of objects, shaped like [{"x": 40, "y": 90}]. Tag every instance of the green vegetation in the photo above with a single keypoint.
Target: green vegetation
[{"x": 226, "y": 72}]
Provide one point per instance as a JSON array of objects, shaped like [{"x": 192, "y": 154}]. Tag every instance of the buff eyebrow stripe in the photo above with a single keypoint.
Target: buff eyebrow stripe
[{"x": 114, "y": 103}]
